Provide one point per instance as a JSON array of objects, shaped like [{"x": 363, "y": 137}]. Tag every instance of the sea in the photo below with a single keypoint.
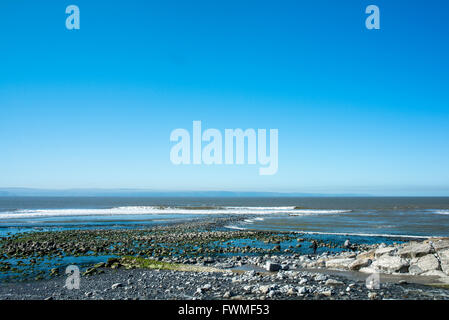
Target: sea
[{"x": 366, "y": 217}]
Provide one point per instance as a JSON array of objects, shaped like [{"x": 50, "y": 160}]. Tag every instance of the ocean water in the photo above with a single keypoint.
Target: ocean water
[{"x": 356, "y": 216}]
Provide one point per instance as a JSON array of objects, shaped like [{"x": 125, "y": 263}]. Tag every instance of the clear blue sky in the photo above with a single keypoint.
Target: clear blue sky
[{"x": 357, "y": 110}]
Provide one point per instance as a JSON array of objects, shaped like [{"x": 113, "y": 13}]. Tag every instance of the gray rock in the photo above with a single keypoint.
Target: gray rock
[
  {"x": 359, "y": 263},
  {"x": 339, "y": 263},
  {"x": 443, "y": 255},
  {"x": 271, "y": 266},
  {"x": 116, "y": 285},
  {"x": 384, "y": 250},
  {"x": 415, "y": 250},
  {"x": 391, "y": 264},
  {"x": 332, "y": 282},
  {"x": 440, "y": 244},
  {"x": 424, "y": 264}
]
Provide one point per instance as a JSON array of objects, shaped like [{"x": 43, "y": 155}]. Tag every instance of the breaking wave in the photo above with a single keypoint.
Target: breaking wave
[
  {"x": 160, "y": 210},
  {"x": 441, "y": 212}
]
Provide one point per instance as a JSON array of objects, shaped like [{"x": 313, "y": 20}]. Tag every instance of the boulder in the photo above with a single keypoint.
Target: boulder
[
  {"x": 385, "y": 250},
  {"x": 339, "y": 263},
  {"x": 369, "y": 269},
  {"x": 391, "y": 264},
  {"x": 443, "y": 255},
  {"x": 440, "y": 244},
  {"x": 333, "y": 282},
  {"x": 367, "y": 254},
  {"x": 359, "y": 263},
  {"x": 427, "y": 263},
  {"x": 415, "y": 250},
  {"x": 271, "y": 266}
]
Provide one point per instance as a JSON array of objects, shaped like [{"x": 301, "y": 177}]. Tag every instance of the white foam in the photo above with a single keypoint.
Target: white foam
[
  {"x": 303, "y": 212},
  {"x": 366, "y": 234},
  {"x": 235, "y": 227},
  {"x": 157, "y": 210},
  {"x": 441, "y": 211}
]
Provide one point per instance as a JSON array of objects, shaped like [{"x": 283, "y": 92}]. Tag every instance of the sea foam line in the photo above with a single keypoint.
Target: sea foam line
[{"x": 158, "y": 210}]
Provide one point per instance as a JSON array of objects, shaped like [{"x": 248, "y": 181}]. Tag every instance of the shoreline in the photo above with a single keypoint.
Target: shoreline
[{"x": 237, "y": 264}]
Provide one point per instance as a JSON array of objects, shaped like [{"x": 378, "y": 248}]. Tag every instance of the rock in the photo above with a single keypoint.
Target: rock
[
  {"x": 320, "y": 277},
  {"x": 264, "y": 289},
  {"x": 116, "y": 285},
  {"x": 440, "y": 244},
  {"x": 227, "y": 295},
  {"x": 372, "y": 295},
  {"x": 415, "y": 270},
  {"x": 206, "y": 287},
  {"x": 369, "y": 269},
  {"x": 54, "y": 271},
  {"x": 367, "y": 255},
  {"x": 327, "y": 293},
  {"x": 443, "y": 255},
  {"x": 424, "y": 264},
  {"x": 301, "y": 290},
  {"x": 272, "y": 267},
  {"x": 385, "y": 250},
  {"x": 391, "y": 264},
  {"x": 359, "y": 263},
  {"x": 339, "y": 263},
  {"x": 415, "y": 250},
  {"x": 332, "y": 282}
]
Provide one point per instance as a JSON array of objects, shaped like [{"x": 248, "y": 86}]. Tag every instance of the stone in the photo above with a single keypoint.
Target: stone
[
  {"x": 391, "y": 264},
  {"x": 333, "y": 282},
  {"x": 301, "y": 290},
  {"x": 206, "y": 287},
  {"x": 369, "y": 269},
  {"x": 272, "y": 267},
  {"x": 425, "y": 263},
  {"x": 444, "y": 259},
  {"x": 367, "y": 255},
  {"x": 339, "y": 263},
  {"x": 320, "y": 277},
  {"x": 440, "y": 244},
  {"x": 415, "y": 250},
  {"x": 359, "y": 263},
  {"x": 372, "y": 295},
  {"x": 116, "y": 285},
  {"x": 264, "y": 289},
  {"x": 327, "y": 293},
  {"x": 385, "y": 250}
]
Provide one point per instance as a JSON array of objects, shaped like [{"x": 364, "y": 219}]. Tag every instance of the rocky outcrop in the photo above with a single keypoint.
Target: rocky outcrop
[
  {"x": 339, "y": 263},
  {"x": 415, "y": 250},
  {"x": 443, "y": 256},
  {"x": 386, "y": 250},
  {"x": 425, "y": 258},
  {"x": 359, "y": 263},
  {"x": 391, "y": 264},
  {"x": 426, "y": 263}
]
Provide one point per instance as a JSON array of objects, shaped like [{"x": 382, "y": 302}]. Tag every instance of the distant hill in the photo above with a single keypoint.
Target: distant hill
[{"x": 29, "y": 192}]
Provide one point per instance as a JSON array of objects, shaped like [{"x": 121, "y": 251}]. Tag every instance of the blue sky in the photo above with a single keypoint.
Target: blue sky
[{"x": 364, "y": 111}]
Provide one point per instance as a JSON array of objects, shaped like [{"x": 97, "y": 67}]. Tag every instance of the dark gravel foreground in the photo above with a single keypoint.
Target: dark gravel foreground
[{"x": 139, "y": 284}]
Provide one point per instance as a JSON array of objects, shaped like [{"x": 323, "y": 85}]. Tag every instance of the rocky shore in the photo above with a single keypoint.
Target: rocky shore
[{"x": 203, "y": 260}]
